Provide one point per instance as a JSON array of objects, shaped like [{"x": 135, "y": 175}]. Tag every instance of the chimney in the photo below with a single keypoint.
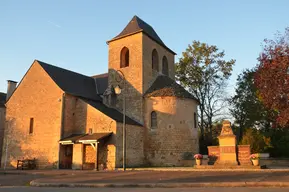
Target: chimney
[{"x": 10, "y": 89}]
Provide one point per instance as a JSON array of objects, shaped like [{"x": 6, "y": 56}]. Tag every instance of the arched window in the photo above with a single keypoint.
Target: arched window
[
  {"x": 155, "y": 60},
  {"x": 154, "y": 122},
  {"x": 124, "y": 57},
  {"x": 195, "y": 120},
  {"x": 165, "y": 65}
]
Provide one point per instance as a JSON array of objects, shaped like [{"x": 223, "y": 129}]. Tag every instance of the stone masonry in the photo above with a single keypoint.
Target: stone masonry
[
  {"x": 37, "y": 97},
  {"x": 228, "y": 153},
  {"x": 63, "y": 105},
  {"x": 2, "y": 125},
  {"x": 133, "y": 74},
  {"x": 149, "y": 75},
  {"x": 175, "y": 134}
]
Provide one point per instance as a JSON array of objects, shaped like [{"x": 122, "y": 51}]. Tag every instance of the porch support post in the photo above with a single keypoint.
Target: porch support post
[{"x": 96, "y": 156}]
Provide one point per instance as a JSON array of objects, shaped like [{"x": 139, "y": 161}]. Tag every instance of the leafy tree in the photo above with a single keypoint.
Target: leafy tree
[
  {"x": 272, "y": 76},
  {"x": 255, "y": 139},
  {"x": 278, "y": 139},
  {"x": 273, "y": 141},
  {"x": 203, "y": 71},
  {"x": 246, "y": 108}
]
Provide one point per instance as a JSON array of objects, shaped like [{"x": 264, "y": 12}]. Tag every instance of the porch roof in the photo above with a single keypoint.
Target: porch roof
[
  {"x": 71, "y": 139},
  {"x": 93, "y": 137},
  {"x": 84, "y": 138}
]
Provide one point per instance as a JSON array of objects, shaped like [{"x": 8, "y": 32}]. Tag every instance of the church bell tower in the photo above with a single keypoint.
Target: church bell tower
[{"x": 136, "y": 57}]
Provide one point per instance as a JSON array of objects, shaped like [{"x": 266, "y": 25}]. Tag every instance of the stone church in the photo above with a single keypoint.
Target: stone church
[{"x": 64, "y": 119}]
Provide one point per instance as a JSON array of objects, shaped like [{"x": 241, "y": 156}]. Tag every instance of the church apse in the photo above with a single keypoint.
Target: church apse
[{"x": 174, "y": 133}]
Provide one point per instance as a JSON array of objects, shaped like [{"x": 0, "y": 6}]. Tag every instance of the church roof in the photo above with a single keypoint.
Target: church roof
[
  {"x": 137, "y": 25},
  {"x": 71, "y": 82},
  {"x": 165, "y": 86},
  {"x": 85, "y": 88},
  {"x": 101, "y": 81},
  {"x": 2, "y": 99},
  {"x": 111, "y": 112}
]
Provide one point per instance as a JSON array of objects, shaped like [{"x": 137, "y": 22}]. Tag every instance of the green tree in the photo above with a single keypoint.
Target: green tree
[
  {"x": 277, "y": 139},
  {"x": 246, "y": 108},
  {"x": 255, "y": 139},
  {"x": 203, "y": 71}
]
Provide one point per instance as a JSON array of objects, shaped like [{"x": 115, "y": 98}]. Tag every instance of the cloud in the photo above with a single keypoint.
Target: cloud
[{"x": 54, "y": 24}]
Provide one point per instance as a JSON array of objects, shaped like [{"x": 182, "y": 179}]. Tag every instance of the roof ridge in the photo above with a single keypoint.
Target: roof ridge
[
  {"x": 137, "y": 25},
  {"x": 100, "y": 75},
  {"x": 137, "y": 19}
]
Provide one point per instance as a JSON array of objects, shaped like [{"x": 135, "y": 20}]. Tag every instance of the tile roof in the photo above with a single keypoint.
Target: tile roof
[
  {"x": 101, "y": 82},
  {"x": 71, "y": 82},
  {"x": 72, "y": 138},
  {"x": 165, "y": 86},
  {"x": 138, "y": 25},
  {"x": 75, "y": 138},
  {"x": 111, "y": 112},
  {"x": 84, "y": 87},
  {"x": 94, "y": 136},
  {"x": 2, "y": 99}
]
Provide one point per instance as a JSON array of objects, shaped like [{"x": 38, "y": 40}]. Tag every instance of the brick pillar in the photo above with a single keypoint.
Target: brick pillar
[
  {"x": 77, "y": 157},
  {"x": 244, "y": 152}
]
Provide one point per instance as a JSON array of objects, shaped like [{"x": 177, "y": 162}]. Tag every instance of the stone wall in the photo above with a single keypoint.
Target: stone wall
[
  {"x": 133, "y": 73},
  {"x": 2, "y": 126},
  {"x": 77, "y": 156},
  {"x": 82, "y": 117},
  {"x": 87, "y": 117},
  {"x": 134, "y": 146},
  {"x": 38, "y": 97},
  {"x": 139, "y": 75},
  {"x": 89, "y": 157},
  {"x": 175, "y": 135},
  {"x": 69, "y": 116},
  {"x": 243, "y": 154},
  {"x": 149, "y": 75}
]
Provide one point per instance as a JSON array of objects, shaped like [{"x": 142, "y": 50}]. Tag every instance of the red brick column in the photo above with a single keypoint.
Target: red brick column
[
  {"x": 214, "y": 154},
  {"x": 244, "y": 153}
]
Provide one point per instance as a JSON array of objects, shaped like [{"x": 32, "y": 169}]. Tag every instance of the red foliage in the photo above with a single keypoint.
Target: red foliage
[{"x": 272, "y": 77}]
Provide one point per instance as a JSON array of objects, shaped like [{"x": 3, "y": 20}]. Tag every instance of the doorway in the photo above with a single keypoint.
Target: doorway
[{"x": 66, "y": 152}]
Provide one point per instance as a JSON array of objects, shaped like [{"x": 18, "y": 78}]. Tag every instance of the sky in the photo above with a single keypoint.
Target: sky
[{"x": 72, "y": 34}]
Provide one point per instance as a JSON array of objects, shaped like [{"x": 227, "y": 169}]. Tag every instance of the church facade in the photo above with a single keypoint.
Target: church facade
[{"x": 64, "y": 119}]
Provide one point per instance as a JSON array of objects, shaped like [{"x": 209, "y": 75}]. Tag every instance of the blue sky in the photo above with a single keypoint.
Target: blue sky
[{"x": 72, "y": 34}]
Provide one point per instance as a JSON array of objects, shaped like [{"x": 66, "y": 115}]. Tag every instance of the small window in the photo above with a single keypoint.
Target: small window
[
  {"x": 124, "y": 57},
  {"x": 195, "y": 120},
  {"x": 154, "y": 122},
  {"x": 90, "y": 131},
  {"x": 155, "y": 60},
  {"x": 31, "y": 125},
  {"x": 165, "y": 66}
]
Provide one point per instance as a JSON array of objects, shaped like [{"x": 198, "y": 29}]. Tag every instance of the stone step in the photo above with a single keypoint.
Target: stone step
[{"x": 229, "y": 167}]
